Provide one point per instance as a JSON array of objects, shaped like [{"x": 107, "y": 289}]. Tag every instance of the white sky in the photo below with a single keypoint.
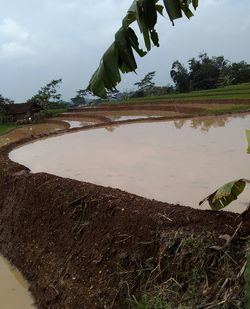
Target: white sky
[{"x": 51, "y": 39}]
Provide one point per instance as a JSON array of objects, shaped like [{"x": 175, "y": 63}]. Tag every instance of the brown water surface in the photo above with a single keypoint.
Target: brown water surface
[
  {"x": 13, "y": 288},
  {"x": 179, "y": 161}
]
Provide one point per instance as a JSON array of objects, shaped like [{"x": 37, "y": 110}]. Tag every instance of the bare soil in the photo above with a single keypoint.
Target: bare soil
[{"x": 85, "y": 246}]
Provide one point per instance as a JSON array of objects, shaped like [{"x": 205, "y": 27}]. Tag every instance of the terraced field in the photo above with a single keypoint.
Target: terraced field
[{"x": 241, "y": 91}]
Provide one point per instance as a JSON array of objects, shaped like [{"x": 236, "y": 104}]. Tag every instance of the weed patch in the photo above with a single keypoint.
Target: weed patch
[
  {"x": 4, "y": 128},
  {"x": 191, "y": 271}
]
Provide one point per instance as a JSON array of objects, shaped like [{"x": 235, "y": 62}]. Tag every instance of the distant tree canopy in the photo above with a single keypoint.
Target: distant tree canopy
[
  {"x": 4, "y": 101},
  {"x": 79, "y": 98},
  {"x": 180, "y": 77},
  {"x": 207, "y": 73},
  {"x": 48, "y": 95},
  {"x": 146, "y": 84},
  {"x": 119, "y": 57}
]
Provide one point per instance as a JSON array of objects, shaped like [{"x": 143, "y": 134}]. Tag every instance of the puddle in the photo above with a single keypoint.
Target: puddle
[
  {"x": 178, "y": 161},
  {"x": 14, "y": 292}
]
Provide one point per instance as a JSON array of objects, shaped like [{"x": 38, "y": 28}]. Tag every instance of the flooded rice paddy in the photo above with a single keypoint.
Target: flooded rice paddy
[
  {"x": 179, "y": 161},
  {"x": 13, "y": 288}
]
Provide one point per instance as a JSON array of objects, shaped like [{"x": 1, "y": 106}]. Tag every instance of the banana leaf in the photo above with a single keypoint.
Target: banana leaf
[
  {"x": 248, "y": 140},
  {"x": 120, "y": 55},
  {"x": 225, "y": 194}
]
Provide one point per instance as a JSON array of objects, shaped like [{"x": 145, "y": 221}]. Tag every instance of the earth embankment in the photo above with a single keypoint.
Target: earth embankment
[{"x": 86, "y": 246}]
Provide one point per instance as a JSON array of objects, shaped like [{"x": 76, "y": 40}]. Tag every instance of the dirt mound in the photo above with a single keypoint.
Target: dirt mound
[{"x": 86, "y": 246}]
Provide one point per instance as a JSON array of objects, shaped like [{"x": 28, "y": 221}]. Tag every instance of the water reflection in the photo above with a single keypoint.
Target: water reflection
[
  {"x": 206, "y": 123},
  {"x": 111, "y": 128},
  {"x": 154, "y": 160}
]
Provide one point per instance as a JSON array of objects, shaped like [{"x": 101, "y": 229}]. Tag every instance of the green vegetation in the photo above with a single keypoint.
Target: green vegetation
[
  {"x": 4, "y": 128},
  {"x": 231, "y": 109},
  {"x": 53, "y": 112},
  {"x": 225, "y": 194},
  {"x": 3, "y": 102},
  {"x": 146, "y": 84},
  {"x": 241, "y": 91},
  {"x": 149, "y": 302},
  {"x": 192, "y": 270},
  {"x": 247, "y": 280},
  {"x": 79, "y": 98},
  {"x": 120, "y": 55},
  {"x": 223, "y": 197},
  {"x": 208, "y": 73},
  {"x": 48, "y": 95}
]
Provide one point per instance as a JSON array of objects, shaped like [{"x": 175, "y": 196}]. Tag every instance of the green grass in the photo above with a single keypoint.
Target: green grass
[
  {"x": 149, "y": 302},
  {"x": 233, "y": 109},
  {"x": 247, "y": 279},
  {"x": 241, "y": 91},
  {"x": 54, "y": 112},
  {"x": 4, "y": 128},
  {"x": 184, "y": 268},
  {"x": 57, "y": 112}
]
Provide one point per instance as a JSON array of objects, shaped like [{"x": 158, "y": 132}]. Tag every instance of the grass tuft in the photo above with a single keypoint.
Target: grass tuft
[{"x": 187, "y": 271}]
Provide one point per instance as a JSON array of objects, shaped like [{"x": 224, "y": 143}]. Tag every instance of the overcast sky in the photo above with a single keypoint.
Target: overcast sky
[{"x": 41, "y": 40}]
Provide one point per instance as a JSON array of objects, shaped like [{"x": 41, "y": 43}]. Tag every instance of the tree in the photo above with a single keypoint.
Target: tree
[
  {"x": 3, "y": 103},
  {"x": 204, "y": 72},
  {"x": 48, "y": 94},
  {"x": 79, "y": 99},
  {"x": 119, "y": 57},
  {"x": 240, "y": 72},
  {"x": 146, "y": 85},
  {"x": 180, "y": 77}
]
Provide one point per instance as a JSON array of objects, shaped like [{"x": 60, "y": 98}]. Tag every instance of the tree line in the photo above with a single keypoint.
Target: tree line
[
  {"x": 204, "y": 73},
  {"x": 201, "y": 73},
  {"x": 48, "y": 97}
]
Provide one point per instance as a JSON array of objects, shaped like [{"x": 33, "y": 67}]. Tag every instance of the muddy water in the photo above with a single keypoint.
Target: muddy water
[
  {"x": 178, "y": 161},
  {"x": 77, "y": 124},
  {"x": 13, "y": 288}
]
